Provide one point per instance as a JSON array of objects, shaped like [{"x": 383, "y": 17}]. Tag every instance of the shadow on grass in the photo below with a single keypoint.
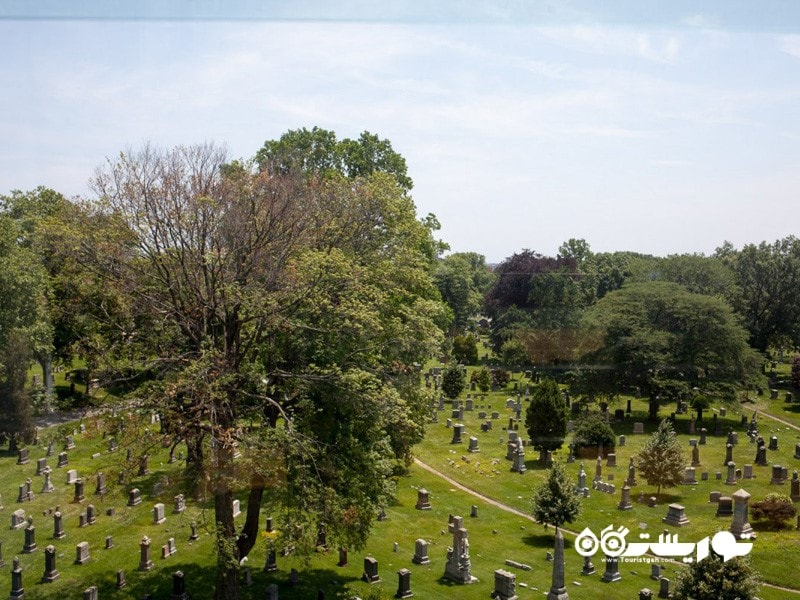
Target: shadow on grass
[{"x": 540, "y": 540}]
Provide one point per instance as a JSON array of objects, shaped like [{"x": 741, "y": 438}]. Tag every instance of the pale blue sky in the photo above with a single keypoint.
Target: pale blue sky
[{"x": 659, "y": 127}]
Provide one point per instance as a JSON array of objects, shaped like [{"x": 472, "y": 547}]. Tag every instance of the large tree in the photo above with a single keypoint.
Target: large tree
[
  {"x": 462, "y": 279},
  {"x": 662, "y": 338},
  {"x": 768, "y": 276},
  {"x": 555, "y": 500},
  {"x": 297, "y": 298},
  {"x": 546, "y": 417}
]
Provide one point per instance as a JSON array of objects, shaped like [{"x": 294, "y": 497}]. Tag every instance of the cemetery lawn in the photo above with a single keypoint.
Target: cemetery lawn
[{"x": 495, "y": 535}]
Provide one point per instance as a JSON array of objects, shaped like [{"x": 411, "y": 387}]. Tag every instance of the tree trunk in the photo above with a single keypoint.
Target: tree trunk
[
  {"x": 249, "y": 535},
  {"x": 653, "y": 406},
  {"x": 46, "y": 362},
  {"x": 227, "y": 585},
  {"x": 195, "y": 470}
]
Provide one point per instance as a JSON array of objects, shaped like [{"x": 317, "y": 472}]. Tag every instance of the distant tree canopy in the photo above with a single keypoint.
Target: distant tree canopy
[
  {"x": 657, "y": 334},
  {"x": 546, "y": 416},
  {"x": 319, "y": 151},
  {"x": 535, "y": 299},
  {"x": 715, "y": 579},
  {"x": 462, "y": 279}
]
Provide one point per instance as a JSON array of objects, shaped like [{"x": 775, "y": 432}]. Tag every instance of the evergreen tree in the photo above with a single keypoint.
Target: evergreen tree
[
  {"x": 555, "y": 500},
  {"x": 453, "y": 381},
  {"x": 715, "y": 579},
  {"x": 662, "y": 462},
  {"x": 546, "y": 417}
]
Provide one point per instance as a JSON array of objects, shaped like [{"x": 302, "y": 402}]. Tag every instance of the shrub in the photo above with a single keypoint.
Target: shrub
[
  {"x": 482, "y": 378},
  {"x": 465, "y": 349},
  {"x": 775, "y": 509},
  {"x": 500, "y": 378},
  {"x": 592, "y": 431}
]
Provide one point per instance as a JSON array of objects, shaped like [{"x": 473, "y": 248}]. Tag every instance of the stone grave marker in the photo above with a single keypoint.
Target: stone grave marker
[{"x": 82, "y": 553}]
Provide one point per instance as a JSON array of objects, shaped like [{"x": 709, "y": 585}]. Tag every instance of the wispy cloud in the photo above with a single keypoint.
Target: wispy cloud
[{"x": 652, "y": 45}]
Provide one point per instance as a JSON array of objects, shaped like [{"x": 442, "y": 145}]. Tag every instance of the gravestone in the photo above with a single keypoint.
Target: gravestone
[
  {"x": 121, "y": 583},
  {"x": 79, "y": 495},
  {"x": 193, "y": 537},
  {"x": 611, "y": 573},
  {"x": 588, "y": 567},
  {"x": 582, "y": 489},
  {"x": 655, "y": 571},
  {"x": 145, "y": 563},
  {"x": 458, "y": 430},
  {"x": 109, "y": 542},
  {"x": 82, "y": 553},
  {"x": 773, "y": 443},
  {"x": 69, "y": 443},
  {"x": 459, "y": 567},
  {"x": 741, "y": 527},
  {"x": 638, "y": 428},
  {"x": 625, "y": 501},
  {"x": 23, "y": 456},
  {"x": 178, "y": 586},
  {"x": 17, "y": 591},
  {"x": 731, "y": 479},
  {"x": 714, "y": 496},
  {"x": 237, "y": 510},
  {"x": 695, "y": 456},
  {"x": 725, "y": 506},
  {"x": 370, "y": 574},
  {"x": 473, "y": 445},
  {"x": 50, "y": 571},
  {"x": 404, "y": 582},
  {"x": 18, "y": 519},
  {"x": 101, "y": 489},
  {"x": 631, "y": 474},
  {"x": 676, "y": 516},
  {"x": 41, "y": 464},
  {"x": 611, "y": 460},
  {"x": 505, "y": 585},
  {"x": 271, "y": 563},
  {"x": 272, "y": 591},
  {"x": 728, "y": 454},
  {"x": 58, "y": 526},
  {"x": 423, "y": 500},
  {"x": 558, "y": 589},
  {"x": 797, "y": 450},
  {"x": 748, "y": 471},
  {"x": 777, "y": 475},
  {"x": 689, "y": 476},
  {"x": 645, "y": 594},
  {"x": 91, "y": 515},
  {"x": 794, "y": 494},
  {"x": 421, "y": 552},
  {"x": 519, "y": 461},
  {"x": 72, "y": 476},
  {"x": 30, "y": 538},
  {"x": 342, "y": 557},
  {"x": 179, "y": 504},
  {"x": 663, "y": 591},
  {"x": 143, "y": 467},
  {"x": 134, "y": 497},
  {"x": 703, "y": 433},
  {"x": 761, "y": 456},
  {"x": 90, "y": 593},
  {"x": 158, "y": 514}
]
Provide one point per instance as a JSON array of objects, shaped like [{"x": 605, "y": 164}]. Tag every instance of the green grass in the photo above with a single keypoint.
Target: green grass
[{"x": 496, "y": 535}]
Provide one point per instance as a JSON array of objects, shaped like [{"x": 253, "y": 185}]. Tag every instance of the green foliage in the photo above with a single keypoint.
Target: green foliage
[
  {"x": 657, "y": 333},
  {"x": 514, "y": 353},
  {"x": 453, "y": 381},
  {"x": 662, "y": 462},
  {"x": 318, "y": 151},
  {"x": 775, "y": 509},
  {"x": 796, "y": 372},
  {"x": 500, "y": 378},
  {"x": 462, "y": 279},
  {"x": 555, "y": 501},
  {"x": 482, "y": 378},
  {"x": 768, "y": 276},
  {"x": 592, "y": 431},
  {"x": 465, "y": 349},
  {"x": 546, "y": 416},
  {"x": 713, "y": 579}
]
